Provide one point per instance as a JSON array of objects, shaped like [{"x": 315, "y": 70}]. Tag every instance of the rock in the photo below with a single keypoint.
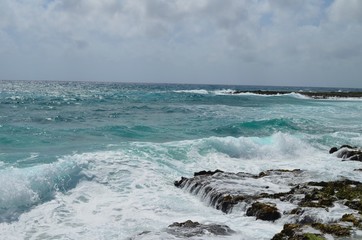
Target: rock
[
  {"x": 347, "y": 152},
  {"x": 334, "y": 229},
  {"x": 352, "y": 218},
  {"x": 207, "y": 172},
  {"x": 296, "y": 232},
  {"x": 315, "y": 95},
  {"x": 224, "y": 190},
  {"x": 333, "y": 150},
  {"x": 263, "y": 211},
  {"x": 260, "y": 195},
  {"x": 191, "y": 229}
]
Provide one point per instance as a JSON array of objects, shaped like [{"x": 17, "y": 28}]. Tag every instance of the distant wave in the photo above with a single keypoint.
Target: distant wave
[
  {"x": 292, "y": 94},
  {"x": 194, "y": 91}
]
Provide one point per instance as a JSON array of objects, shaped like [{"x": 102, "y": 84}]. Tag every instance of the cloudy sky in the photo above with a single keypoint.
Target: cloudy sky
[{"x": 260, "y": 42}]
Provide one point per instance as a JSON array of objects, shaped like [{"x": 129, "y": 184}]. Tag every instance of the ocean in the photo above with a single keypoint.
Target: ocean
[{"x": 82, "y": 160}]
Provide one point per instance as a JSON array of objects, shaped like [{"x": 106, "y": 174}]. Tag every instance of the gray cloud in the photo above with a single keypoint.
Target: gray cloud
[{"x": 300, "y": 42}]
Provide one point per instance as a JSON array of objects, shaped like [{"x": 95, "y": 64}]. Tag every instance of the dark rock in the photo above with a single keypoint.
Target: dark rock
[
  {"x": 347, "y": 146},
  {"x": 187, "y": 224},
  {"x": 278, "y": 172},
  {"x": 224, "y": 190},
  {"x": 263, "y": 211},
  {"x": 207, "y": 172},
  {"x": 307, "y": 220},
  {"x": 347, "y": 152},
  {"x": 315, "y": 95},
  {"x": 333, "y": 150},
  {"x": 179, "y": 183},
  {"x": 334, "y": 229},
  {"x": 295, "y": 232},
  {"x": 352, "y": 218},
  {"x": 191, "y": 229}
]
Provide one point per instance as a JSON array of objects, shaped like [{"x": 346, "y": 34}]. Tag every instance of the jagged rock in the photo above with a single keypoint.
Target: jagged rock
[
  {"x": 191, "y": 229},
  {"x": 223, "y": 190},
  {"x": 207, "y": 172},
  {"x": 263, "y": 211},
  {"x": 347, "y": 152}
]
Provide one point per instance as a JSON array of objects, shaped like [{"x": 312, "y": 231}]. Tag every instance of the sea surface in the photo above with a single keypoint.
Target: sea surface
[{"x": 83, "y": 160}]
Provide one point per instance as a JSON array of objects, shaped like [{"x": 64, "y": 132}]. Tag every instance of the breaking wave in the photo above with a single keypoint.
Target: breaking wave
[{"x": 23, "y": 188}]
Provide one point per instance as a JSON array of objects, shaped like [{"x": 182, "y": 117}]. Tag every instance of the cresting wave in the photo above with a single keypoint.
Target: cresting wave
[
  {"x": 132, "y": 183},
  {"x": 278, "y": 145},
  {"x": 23, "y": 188}
]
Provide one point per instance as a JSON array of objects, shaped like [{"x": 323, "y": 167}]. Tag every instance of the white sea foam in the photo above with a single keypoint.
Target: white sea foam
[
  {"x": 23, "y": 188},
  {"x": 297, "y": 95},
  {"x": 292, "y": 94},
  {"x": 132, "y": 189}
]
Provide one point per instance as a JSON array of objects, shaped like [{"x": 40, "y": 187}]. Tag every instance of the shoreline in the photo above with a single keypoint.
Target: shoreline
[{"x": 314, "y": 95}]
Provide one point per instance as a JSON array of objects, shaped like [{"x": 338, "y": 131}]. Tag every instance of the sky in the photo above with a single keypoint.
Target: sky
[{"x": 243, "y": 42}]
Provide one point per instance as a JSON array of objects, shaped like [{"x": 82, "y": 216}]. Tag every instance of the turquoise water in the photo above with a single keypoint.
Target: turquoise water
[{"x": 98, "y": 160}]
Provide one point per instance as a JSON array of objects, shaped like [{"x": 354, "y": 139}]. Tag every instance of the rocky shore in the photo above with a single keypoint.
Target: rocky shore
[
  {"x": 315, "y": 95},
  {"x": 281, "y": 194}
]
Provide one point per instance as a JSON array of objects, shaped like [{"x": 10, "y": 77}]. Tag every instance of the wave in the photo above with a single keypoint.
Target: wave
[
  {"x": 291, "y": 94},
  {"x": 23, "y": 188},
  {"x": 278, "y": 145},
  {"x": 232, "y": 92},
  {"x": 262, "y": 127},
  {"x": 193, "y": 91}
]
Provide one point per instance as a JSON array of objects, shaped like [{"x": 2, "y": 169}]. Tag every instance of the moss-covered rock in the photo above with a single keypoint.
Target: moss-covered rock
[
  {"x": 352, "y": 218},
  {"x": 334, "y": 229},
  {"x": 312, "y": 236},
  {"x": 296, "y": 232},
  {"x": 263, "y": 211},
  {"x": 346, "y": 191}
]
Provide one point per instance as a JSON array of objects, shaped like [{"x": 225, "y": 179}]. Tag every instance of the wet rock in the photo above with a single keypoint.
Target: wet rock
[
  {"x": 263, "y": 211},
  {"x": 334, "y": 229},
  {"x": 333, "y": 150},
  {"x": 207, "y": 172},
  {"x": 352, "y": 218},
  {"x": 223, "y": 190},
  {"x": 191, "y": 229},
  {"x": 296, "y": 232},
  {"x": 304, "y": 232},
  {"x": 260, "y": 195},
  {"x": 347, "y": 152}
]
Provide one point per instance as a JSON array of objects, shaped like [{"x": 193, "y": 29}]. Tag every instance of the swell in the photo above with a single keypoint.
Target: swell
[{"x": 258, "y": 127}]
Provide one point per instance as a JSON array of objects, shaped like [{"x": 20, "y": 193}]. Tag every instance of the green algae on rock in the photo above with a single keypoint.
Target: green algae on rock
[{"x": 263, "y": 211}]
